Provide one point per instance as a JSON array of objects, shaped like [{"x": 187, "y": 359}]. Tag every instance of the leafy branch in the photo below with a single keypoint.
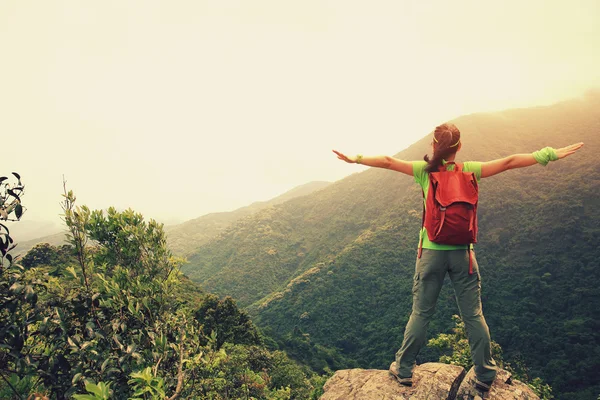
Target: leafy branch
[
  {"x": 10, "y": 203},
  {"x": 10, "y": 198}
]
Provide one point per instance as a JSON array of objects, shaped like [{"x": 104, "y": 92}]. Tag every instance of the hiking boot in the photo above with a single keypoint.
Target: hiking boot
[
  {"x": 403, "y": 381},
  {"x": 482, "y": 387},
  {"x": 481, "y": 390}
]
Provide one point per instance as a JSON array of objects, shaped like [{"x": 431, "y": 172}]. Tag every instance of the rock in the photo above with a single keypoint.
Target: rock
[
  {"x": 431, "y": 381},
  {"x": 503, "y": 388}
]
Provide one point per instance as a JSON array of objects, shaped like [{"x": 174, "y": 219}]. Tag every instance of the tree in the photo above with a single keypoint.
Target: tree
[
  {"x": 45, "y": 255},
  {"x": 227, "y": 321}
]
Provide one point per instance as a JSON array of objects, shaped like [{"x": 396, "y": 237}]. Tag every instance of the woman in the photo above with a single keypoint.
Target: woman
[{"x": 437, "y": 259}]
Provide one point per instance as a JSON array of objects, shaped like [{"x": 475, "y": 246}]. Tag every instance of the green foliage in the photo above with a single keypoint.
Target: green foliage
[
  {"x": 459, "y": 354},
  {"x": 52, "y": 259},
  {"x": 318, "y": 381},
  {"x": 541, "y": 388},
  {"x": 320, "y": 358},
  {"x": 125, "y": 239},
  {"x": 116, "y": 319},
  {"x": 288, "y": 374},
  {"x": 101, "y": 391},
  {"x": 226, "y": 321},
  {"x": 17, "y": 384},
  {"x": 458, "y": 344},
  {"x": 146, "y": 385}
]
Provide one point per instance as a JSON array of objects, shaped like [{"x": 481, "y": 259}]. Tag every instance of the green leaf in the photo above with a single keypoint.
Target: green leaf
[
  {"x": 29, "y": 293},
  {"x": 76, "y": 378},
  {"x": 72, "y": 271},
  {"x": 116, "y": 339},
  {"x": 84, "y": 397},
  {"x": 93, "y": 388},
  {"x": 104, "y": 364},
  {"x": 18, "y": 211},
  {"x": 13, "y": 194},
  {"x": 145, "y": 375},
  {"x": 112, "y": 370},
  {"x": 105, "y": 390},
  {"x": 16, "y": 288}
]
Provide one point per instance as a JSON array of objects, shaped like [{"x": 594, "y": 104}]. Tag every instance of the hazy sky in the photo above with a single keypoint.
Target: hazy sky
[{"x": 179, "y": 108}]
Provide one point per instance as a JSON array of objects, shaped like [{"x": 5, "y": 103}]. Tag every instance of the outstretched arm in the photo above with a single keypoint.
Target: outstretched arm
[
  {"x": 379, "y": 162},
  {"x": 491, "y": 168}
]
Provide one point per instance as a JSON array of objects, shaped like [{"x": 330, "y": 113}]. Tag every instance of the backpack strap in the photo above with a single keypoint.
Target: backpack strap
[
  {"x": 420, "y": 251},
  {"x": 470, "y": 260},
  {"x": 457, "y": 167}
]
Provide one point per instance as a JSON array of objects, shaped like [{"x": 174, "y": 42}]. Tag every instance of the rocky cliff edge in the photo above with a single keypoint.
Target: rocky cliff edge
[{"x": 431, "y": 381}]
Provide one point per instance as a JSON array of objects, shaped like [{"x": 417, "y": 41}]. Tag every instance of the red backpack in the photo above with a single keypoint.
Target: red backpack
[{"x": 451, "y": 216}]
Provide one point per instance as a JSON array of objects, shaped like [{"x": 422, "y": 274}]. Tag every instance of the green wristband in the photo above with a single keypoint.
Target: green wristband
[
  {"x": 359, "y": 158},
  {"x": 545, "y": 155}
]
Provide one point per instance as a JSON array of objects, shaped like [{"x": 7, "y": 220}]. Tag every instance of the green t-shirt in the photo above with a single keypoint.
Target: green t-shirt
[{"x": 422, "y": 178}]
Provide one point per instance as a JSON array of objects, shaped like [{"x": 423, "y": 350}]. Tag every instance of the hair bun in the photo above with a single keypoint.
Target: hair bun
[{"x": 444, "y": 137}]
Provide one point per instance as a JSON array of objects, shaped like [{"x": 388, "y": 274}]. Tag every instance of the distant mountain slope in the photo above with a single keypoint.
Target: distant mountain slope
[
  {"x": 27, "y": 229},
  {"x": 182, "y": 238},
  {"x": 337, "y": 265},
  {"x": 24, "y": 246},
  {"x": 188, "y": 236}
]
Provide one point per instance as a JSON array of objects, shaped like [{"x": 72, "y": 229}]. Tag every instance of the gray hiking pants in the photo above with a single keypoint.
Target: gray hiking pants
[{"x": 429, "y": 276}]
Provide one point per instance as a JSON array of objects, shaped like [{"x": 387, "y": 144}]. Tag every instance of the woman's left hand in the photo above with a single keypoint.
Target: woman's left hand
[{"x": 567, "y": 151}]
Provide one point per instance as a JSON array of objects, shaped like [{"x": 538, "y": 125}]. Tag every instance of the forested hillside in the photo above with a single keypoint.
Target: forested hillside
[
  {"x": 188, "y": 236},
  {"x": 329, "y": 274}
]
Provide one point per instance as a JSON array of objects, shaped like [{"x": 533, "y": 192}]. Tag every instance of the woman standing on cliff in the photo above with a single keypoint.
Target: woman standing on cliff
[{"x": 435, "y": 259}]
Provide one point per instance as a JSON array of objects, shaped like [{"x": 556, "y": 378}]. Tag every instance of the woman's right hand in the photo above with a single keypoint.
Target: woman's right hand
[
  {"x": 567, "y": 151},
  {"x": 343, "y": 157}
]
